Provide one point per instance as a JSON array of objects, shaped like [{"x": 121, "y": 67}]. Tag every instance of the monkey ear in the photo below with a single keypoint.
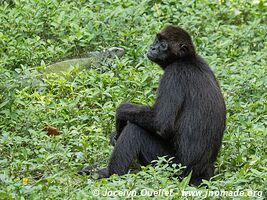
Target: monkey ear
[{"x": 183, "y": 48}]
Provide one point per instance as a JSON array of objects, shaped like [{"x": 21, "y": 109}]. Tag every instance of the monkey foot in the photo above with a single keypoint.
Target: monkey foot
[
  {"x": 87, "y": 170},
  {"x": 93, "y": 170}
]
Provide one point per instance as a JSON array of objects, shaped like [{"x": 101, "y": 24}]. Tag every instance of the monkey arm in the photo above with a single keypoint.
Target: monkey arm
[
  {"x": 167, "y": 115},
  {"x": 160, "y": 119},
  {"x": 169, "y": 104},
  {"x": 140, "y": 115}
]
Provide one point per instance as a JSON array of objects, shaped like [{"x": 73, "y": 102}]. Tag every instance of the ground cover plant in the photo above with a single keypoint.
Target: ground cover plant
[{"x": 230, "y": 35}]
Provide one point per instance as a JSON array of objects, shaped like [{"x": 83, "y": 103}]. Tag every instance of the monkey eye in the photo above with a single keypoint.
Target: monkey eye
[
  {"x": 157, "y": 40},
  {"x": 164, "y": 45}
]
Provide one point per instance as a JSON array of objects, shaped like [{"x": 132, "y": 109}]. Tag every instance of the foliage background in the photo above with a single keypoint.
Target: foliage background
[{"x": 230, "y": 35}]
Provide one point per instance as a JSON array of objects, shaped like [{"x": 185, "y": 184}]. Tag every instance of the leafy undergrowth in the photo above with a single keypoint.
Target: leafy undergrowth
[{"x": 230, "y": 35}]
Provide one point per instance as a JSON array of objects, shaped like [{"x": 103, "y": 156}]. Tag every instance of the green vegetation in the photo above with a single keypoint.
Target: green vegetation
[{"x": 230, "y": 35}]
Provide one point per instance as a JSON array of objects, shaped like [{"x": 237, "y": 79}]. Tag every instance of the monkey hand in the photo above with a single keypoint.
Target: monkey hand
[{"x": 113, "y": 138}]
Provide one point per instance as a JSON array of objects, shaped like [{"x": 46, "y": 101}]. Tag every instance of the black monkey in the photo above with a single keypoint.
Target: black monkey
[{"x": 187, "y": 120}]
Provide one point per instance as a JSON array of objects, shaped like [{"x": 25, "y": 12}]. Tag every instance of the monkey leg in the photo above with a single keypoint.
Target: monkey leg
[{"x": 135, "y": 143}]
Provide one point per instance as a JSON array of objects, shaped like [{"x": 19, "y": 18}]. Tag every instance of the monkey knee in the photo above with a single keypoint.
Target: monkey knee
[{"x": 122, "y": 107}]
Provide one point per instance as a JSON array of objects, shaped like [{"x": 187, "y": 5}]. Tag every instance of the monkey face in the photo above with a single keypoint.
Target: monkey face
[{"x": 160, "y": 52}]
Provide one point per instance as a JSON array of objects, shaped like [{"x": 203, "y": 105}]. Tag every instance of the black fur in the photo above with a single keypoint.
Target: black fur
[{"x": 187, "y": 120}]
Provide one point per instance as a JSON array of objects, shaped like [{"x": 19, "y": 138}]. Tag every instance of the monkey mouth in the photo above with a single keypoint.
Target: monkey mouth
[{"x": 151, "y": 56}]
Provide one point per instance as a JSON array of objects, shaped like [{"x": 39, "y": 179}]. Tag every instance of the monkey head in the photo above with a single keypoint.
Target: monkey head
[{"x": 171, "y": 44}]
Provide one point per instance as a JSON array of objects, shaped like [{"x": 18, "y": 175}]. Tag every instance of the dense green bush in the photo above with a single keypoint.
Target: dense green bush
[{"x": 230, "y": 35}]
